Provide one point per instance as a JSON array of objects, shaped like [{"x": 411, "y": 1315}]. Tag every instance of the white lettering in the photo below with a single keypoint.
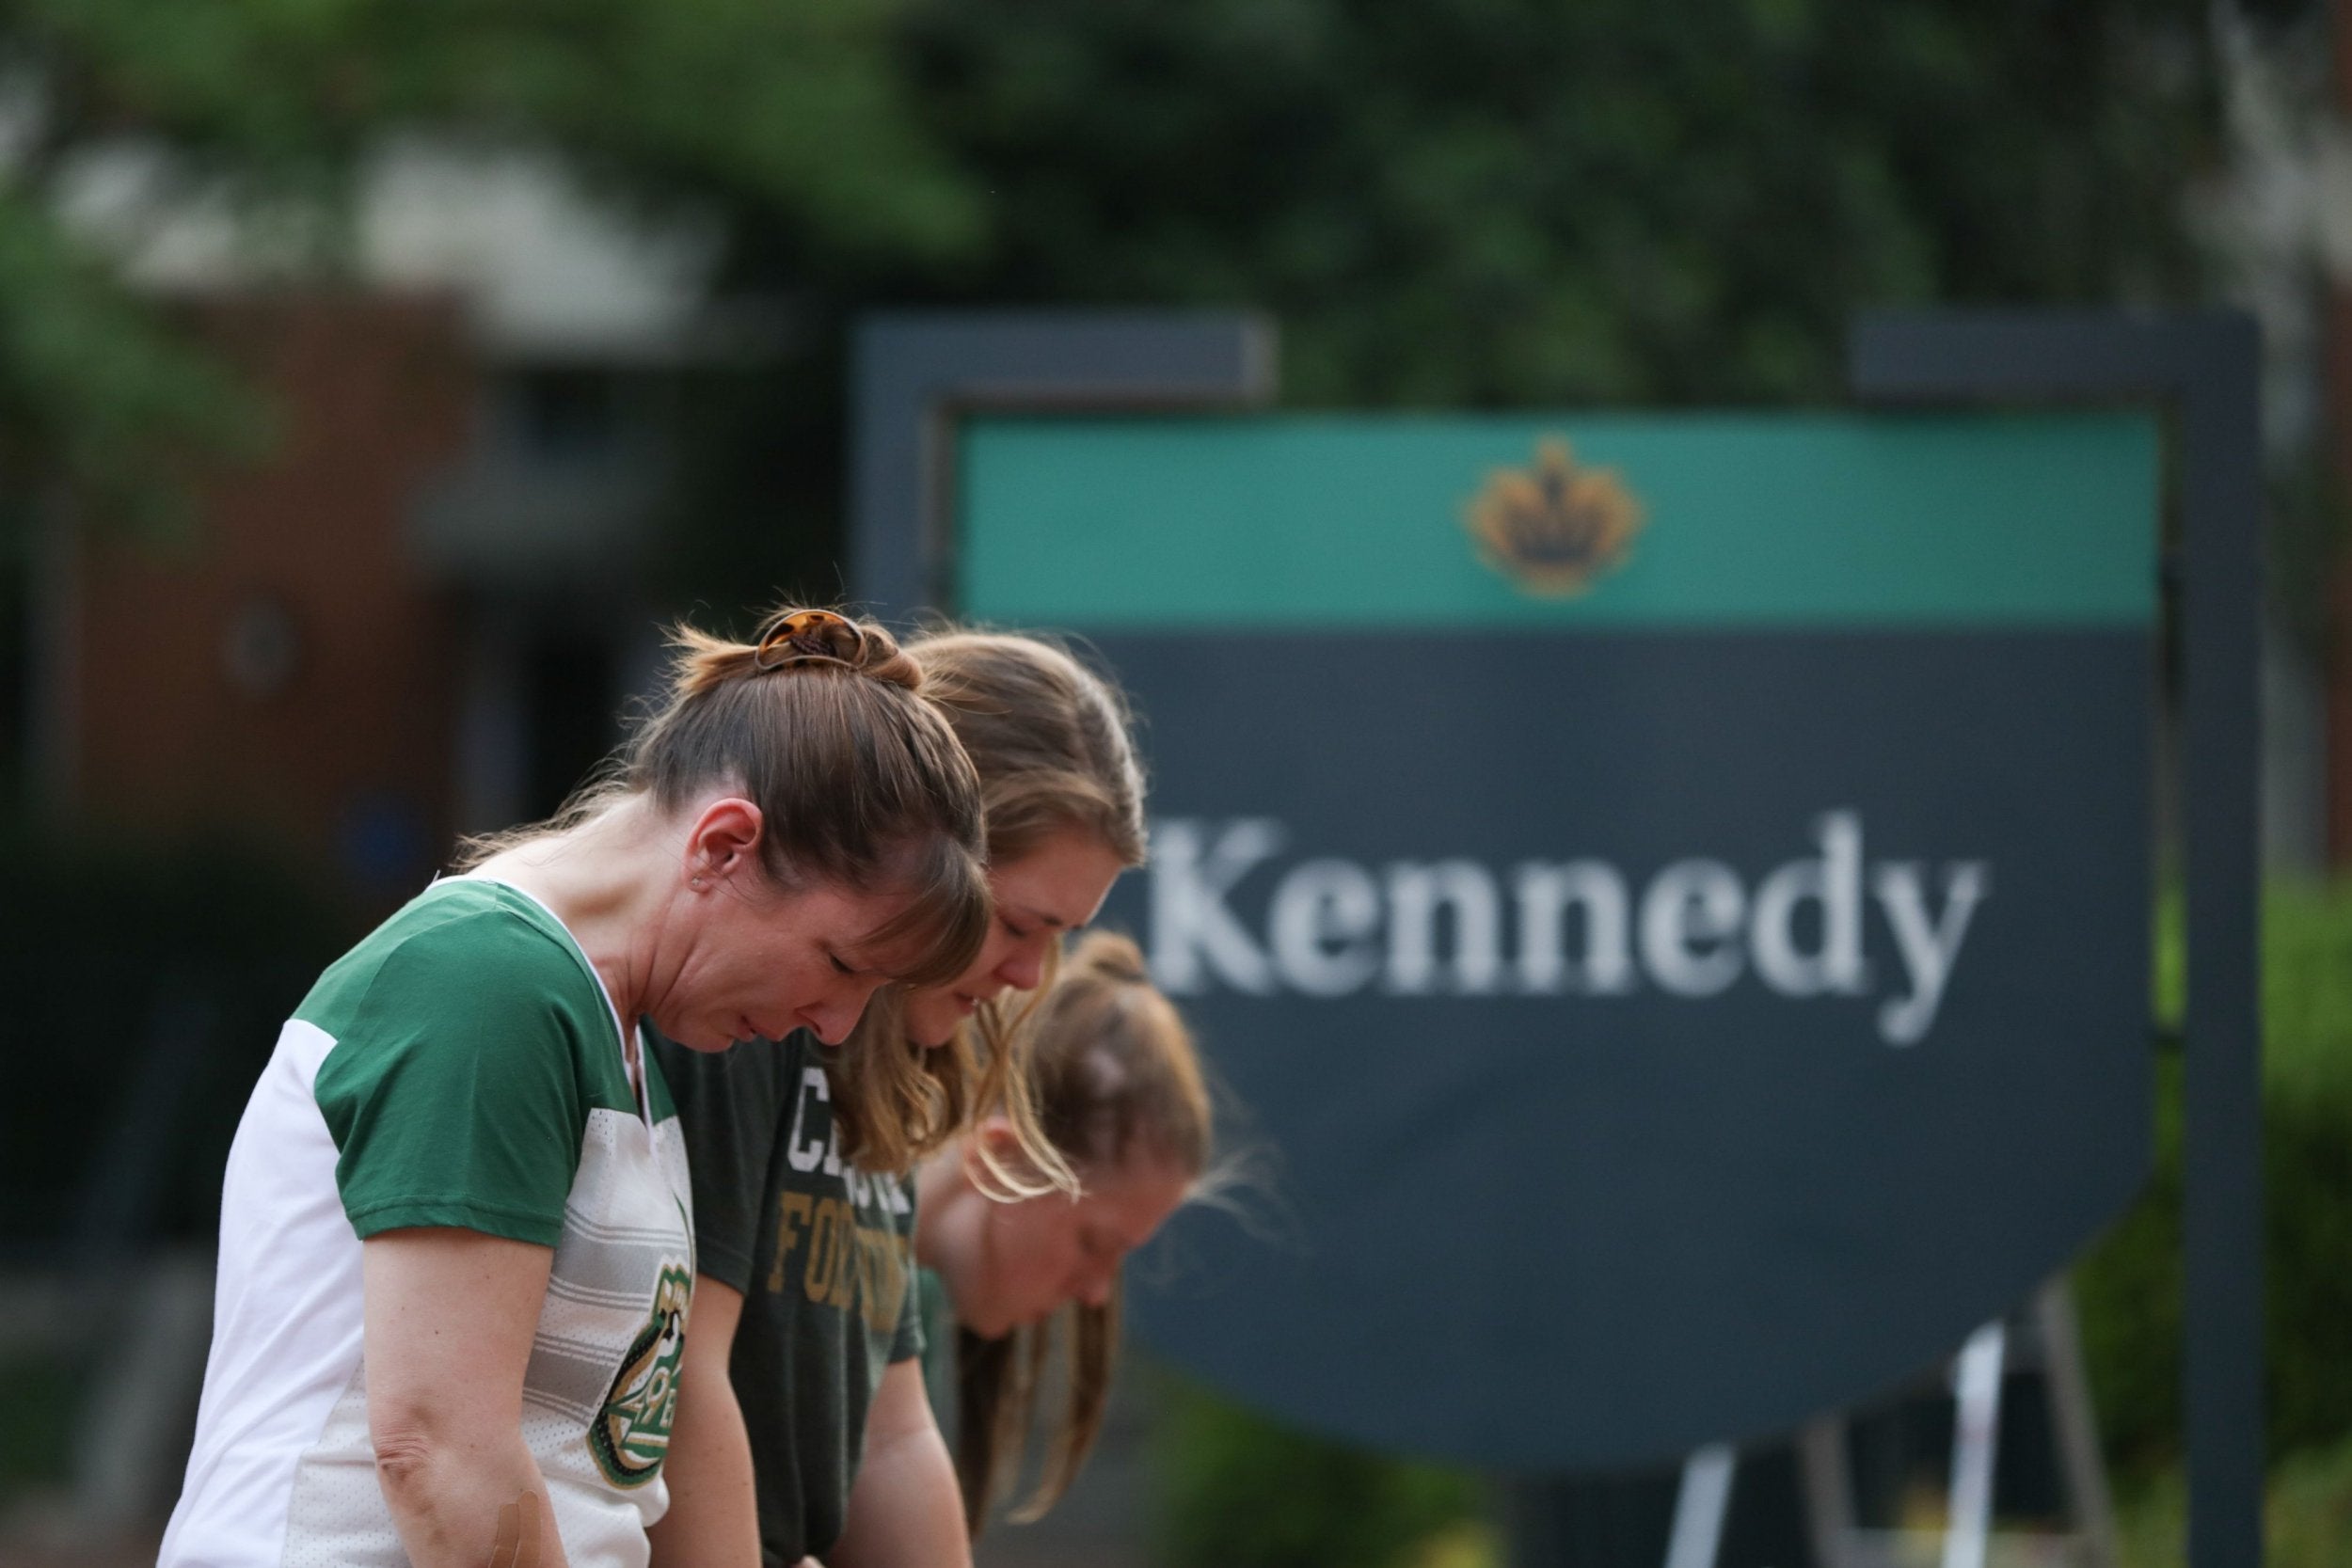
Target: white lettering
[
  {"x": 1415, "y": 895},
  {"x": 1690, "y": 921},
  {"x": 1929, "y": 948},
  {"x": 1190, "y": 921},
  {"x": 805, "y": 1152},
  {"x": 1580, "y": 926},
  {"x": 1545, "y": 892},
  {"x": 1318, "y": 925},
  {"x": 1833, "y": 882}
]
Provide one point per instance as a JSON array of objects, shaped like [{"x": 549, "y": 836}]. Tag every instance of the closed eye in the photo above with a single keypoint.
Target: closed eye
[{"x": 838, "y": 967}]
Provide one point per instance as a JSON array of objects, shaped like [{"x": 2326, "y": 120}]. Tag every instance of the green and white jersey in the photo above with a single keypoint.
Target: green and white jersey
[{"x": 462, "y": 1066}]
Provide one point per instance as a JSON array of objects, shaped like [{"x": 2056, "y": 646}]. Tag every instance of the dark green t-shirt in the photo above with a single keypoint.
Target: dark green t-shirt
[
  {"x": 939, "y": 1348},
  {"x": 824, "y": 1255}
]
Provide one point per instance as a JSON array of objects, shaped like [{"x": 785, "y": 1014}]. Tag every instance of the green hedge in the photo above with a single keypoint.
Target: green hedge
[
  {"x": 2128, "y": 1287},
  {"x": 2307, "y": 1514},
  {"x": 1239, "y": 1491}
]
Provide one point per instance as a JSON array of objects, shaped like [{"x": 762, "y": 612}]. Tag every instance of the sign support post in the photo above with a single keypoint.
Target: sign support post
[
  {"x": 2204, "y": 367},
  {"x": 914, "y": 370}
]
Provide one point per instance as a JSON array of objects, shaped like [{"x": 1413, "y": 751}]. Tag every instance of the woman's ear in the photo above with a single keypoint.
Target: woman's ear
[
  {"x": 724, "y": 840},
  {"x": 992, "y": 1143},
  {"x": 994, "y": 1157}
]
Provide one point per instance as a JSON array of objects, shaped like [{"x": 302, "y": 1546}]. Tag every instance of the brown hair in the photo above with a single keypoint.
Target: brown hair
[
  {"x": 821, "y": 726},
  {"x": 1114, "y": 1074},
  {"x": 1050, "y": 740}
]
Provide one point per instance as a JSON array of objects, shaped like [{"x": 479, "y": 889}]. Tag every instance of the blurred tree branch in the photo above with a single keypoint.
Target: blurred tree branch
[
  {"x": 1457, "y": 203},
  {"x": 1467, "y": 203},
  {"x": 271, "y": 108}
]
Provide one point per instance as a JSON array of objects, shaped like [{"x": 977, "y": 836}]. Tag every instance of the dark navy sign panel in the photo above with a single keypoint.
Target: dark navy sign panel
[
  {"x": 1665, "y": 1034},
  {"x": 1672, "y": 889}
]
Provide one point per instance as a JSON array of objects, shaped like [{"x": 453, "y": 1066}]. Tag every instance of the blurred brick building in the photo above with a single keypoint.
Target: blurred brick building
[
  {"x": 418, "y": 616},
  {"x": 290, "y": 669}
]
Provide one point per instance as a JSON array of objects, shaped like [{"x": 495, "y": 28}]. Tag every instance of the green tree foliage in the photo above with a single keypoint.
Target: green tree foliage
[
  {"x": 1445, "y": 202},
  {"x": 1492, "y": 202},
  {"x": 2128, "y": 1288},
  {"x": 270, "y": 106},
  {"x": 97, "y": 390},
  {"x": 1239, "y": 1491},
  {"x": 790, "y": 105},
  {"x": 1483, "y": 202},
  {"x": 1467, "y": 201}
]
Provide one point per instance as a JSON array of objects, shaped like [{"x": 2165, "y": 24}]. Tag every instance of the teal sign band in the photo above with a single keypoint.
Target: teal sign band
[{"x": 1561, "y": 523}]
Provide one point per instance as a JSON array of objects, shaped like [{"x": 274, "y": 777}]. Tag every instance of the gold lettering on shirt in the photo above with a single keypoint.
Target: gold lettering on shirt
[
  {"x": 841, "y": 1263},
  {"x": 792, "y": 1218}
]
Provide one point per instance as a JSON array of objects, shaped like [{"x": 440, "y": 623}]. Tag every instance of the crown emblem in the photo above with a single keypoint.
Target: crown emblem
[{"x": 1554, "y": 528}]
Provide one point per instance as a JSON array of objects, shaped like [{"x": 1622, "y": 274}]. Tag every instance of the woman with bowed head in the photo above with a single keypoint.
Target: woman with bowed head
[
  {"x": 1119, "y": 1091},
  {"x": 804, "y": 1428},
  {"x": 456, "y": 1252}
]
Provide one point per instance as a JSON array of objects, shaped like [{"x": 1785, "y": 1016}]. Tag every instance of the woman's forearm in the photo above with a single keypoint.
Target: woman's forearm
[
  {"x": 445, "y": 1396},
  {"x": 905, "y": 1509},
  {"x": 714, "y": 1520},
  {"x": 461, "y": 1505}
]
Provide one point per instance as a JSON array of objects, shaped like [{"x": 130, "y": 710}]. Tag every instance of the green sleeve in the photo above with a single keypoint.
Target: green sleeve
[
  {"x": 908, "y": 1342},
  {"x": 454, "y": 1088},
  {"x": 938, "y": 1348}
]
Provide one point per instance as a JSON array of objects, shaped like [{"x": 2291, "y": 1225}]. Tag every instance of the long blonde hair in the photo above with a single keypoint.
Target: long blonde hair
[
  {"x": 821, "y": 724},
  {"x": 1051, "y": 743},
  {"x": 1114, "y": 1074}
]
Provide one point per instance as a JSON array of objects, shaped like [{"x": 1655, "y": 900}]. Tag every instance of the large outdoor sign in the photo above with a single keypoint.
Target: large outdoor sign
[{"x": 1671, "y": 890}]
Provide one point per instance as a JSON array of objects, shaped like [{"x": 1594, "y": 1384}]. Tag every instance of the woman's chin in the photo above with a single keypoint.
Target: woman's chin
[
  {"x": 710, "y": 1041},
  {"x": 931, "y": 1033}
]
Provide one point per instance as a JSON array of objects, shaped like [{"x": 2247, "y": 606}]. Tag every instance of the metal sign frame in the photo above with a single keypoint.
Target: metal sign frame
[
  {"x": 914, "y": 373},
  {"x": 2202, "y": 368}
]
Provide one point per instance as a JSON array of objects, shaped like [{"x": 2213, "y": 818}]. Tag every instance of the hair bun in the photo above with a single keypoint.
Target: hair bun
[
  {"x": 796, "y": 638},
  {"x": 1112, "y": 955},
  {"x": 792, "y": 638}
]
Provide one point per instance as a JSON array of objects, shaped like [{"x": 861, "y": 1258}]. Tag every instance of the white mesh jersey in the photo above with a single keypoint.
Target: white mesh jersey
[{"x": 462, "y": 1066}]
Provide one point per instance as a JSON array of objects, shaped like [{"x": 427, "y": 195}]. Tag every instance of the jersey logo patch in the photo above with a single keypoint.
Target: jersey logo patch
[{"x": 630, "y": 1435}]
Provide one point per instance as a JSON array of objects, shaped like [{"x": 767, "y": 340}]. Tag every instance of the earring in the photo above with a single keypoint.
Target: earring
[{"x": 698, "y": 883}]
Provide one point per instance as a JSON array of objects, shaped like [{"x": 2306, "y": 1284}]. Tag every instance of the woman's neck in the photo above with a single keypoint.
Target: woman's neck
[
  {"x": 941, "y": 1191},
  {"x": 609, "y": 881}
]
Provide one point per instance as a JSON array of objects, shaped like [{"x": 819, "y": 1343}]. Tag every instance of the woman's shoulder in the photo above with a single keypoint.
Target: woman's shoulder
[{"x": 461, "y": 944}]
